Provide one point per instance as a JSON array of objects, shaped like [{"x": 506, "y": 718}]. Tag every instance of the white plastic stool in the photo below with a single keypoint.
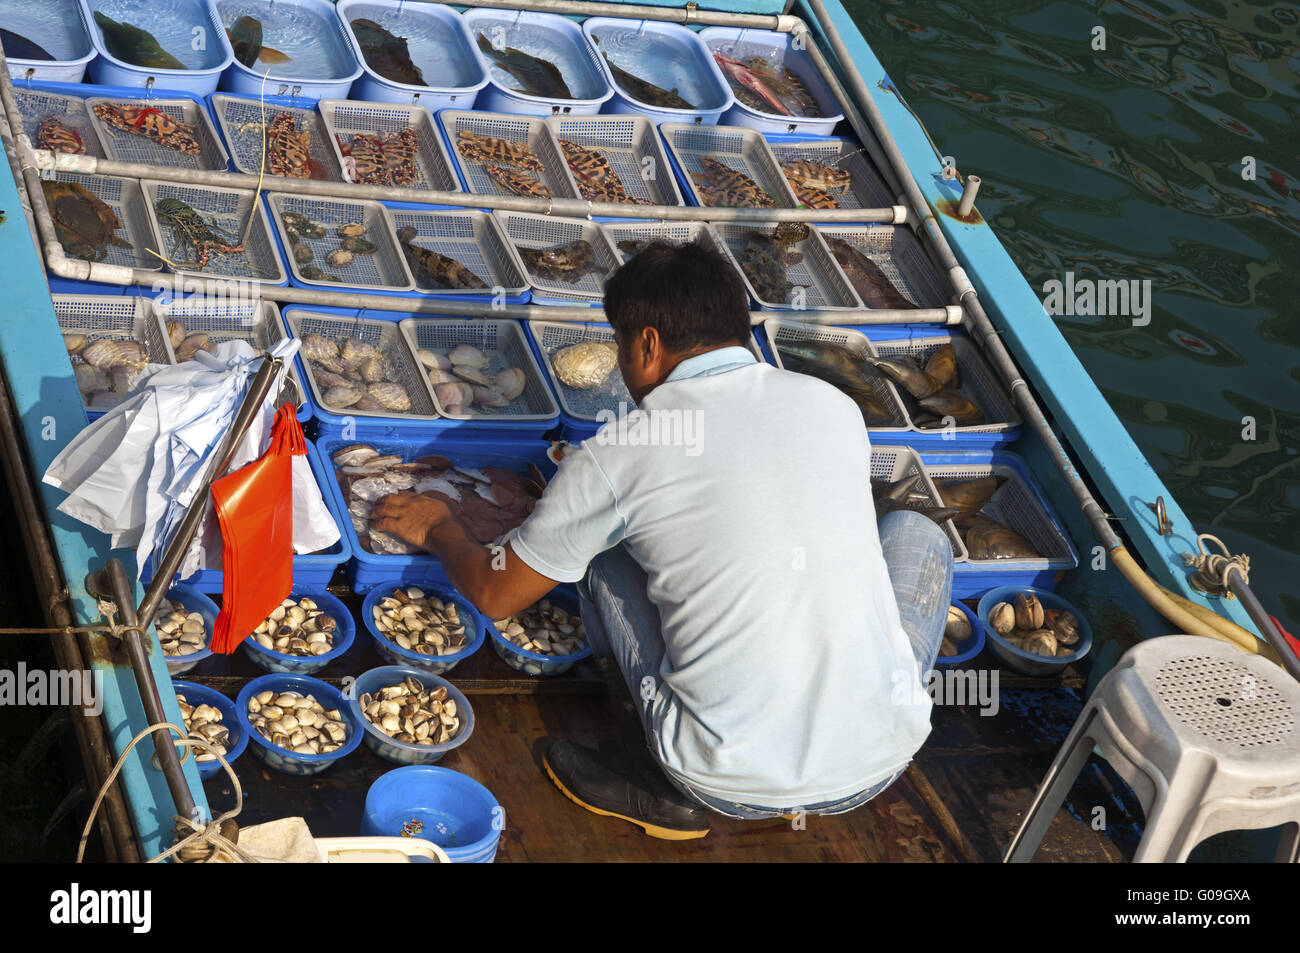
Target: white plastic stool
[{"x": 1207, "y": 737}]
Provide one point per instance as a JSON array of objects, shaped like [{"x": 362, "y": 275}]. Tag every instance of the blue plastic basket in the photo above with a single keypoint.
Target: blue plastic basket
[
  {"x": 667, "y": 55},
  {"x": 311, "y": 571},
  {"x": 455, "y": 812},
  {"x": 1026, "y": 662},
  {"x": 369, "y": 569},
  {"x": 439, "y": 46},
  {"x": 192, "y": 601},
  {"x": 197, "y": 695},
  {"x": 344, "y": 634},
  {"x": 974, "y": 645},
  {"x": 535, "y": 663},
  {"x": 388, "y": 747},
  {"x": 56, "y": 26},
  {"x": 322, "y": 65},
  {"x": 291, "y": 762},
  {"x": 394, "y": 654},
  {"x": 554, "y": 38},
  {"x": 173, "y": 24}
]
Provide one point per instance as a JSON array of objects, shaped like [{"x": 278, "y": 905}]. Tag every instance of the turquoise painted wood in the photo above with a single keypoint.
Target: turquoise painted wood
[
  {"x": 1099, "y": 442},
  {"x": 50, "y": 412}
]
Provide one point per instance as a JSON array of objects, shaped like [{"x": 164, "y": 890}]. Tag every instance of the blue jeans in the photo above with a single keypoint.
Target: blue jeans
[{"x": 620, "y": 620}]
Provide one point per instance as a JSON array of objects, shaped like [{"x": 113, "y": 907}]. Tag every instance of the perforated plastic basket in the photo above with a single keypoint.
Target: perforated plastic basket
[
  {"x": 528, "y": 231},
  {"x": 526, "y": 130},
  {"x": 241, "y": 127},
  {"x": 227, "y": 210},
  {"x": 865, "y": 190},
  {"x": 899, "y": 255},
  {"x": 892, "y": 464},
  {"x": 504, "y": 344},
  {"x": 113, "y": 318},
  {"x": 472, "y": 238},
  {"x": 783, "y": 331},
  {"x": 676, "y": 232},
  {"x": 56, "y": 25},
  {"x": 382, "y": 270},
  {"x": 583, "y": 410},
  {"x": 632, "y": 149},
  {"x": 173, "y": 24},
  {"x": 816, "y": 281},
  {"x": 126, "y": 200},
  {"x": 35, "y": 103},
  {"x": 344, "y": 119},
  {"x": 130, "y": 147},
  {"x": 1022, "y": 506},
  {"x": 742, "y": 150},
  {"x": 401, "y": 367},
  {"x": 321, "y": 63}
]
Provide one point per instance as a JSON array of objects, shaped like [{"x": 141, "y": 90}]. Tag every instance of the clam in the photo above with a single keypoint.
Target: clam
[
  {"x": 1063, "y": 625},
  {"x": 354, "y": 455},
  {"x": 74, "y": 342},
  {"x": 339, "y": 258},
  {"x": 372, "y": 369},
  {"x": 176, "y": 333},
  {"x": 957, "y": 627},
  {"x": 474, "y": 375},
  {"x": 490, "y": 397},
  {"x": 301, "y": 629},
  {"x": 437, "y": 376},
  {"x": 511, "y": 382},
  {"x": 453, "y": 395},
  {"x": 469, "y": 356},
  {"x": 351, "y": 230},
  {"x": 297, "y": 723},
  {"x": 1003, "y": 618},
  {"x": 344, "y": 396},
  {"x": 422, "y": 624},
  {"x": 390, "y": 396},
  {"x": 544, "y": 628},
  {"x": 204, "y": 723},
  {"x": 192, "y": 345},
  {"x": 1029, "y": 612},
  {"x": 107, "y": 354},
  {"x": 179, "y": 632},
  {"x": 317, "y": 347},
  {"x": 1040, "y": 642},
  {"x": 356, "y": 350},
  {"x": 947, "y": 647},
  {"x": 90, "y": 378},
  {"x": 433, "y": 360},
  {"x": 412, "y": 714}
]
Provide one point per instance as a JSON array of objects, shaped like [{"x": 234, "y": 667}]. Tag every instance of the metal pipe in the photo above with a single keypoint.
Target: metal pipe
[
  {"x": 688, "y": 15},
  {"x": 9, "y": 142},
  {"x": 1267, "y": 627},
  {"x": 967, "y": 203},
  {"x": 45, "y": 160}
]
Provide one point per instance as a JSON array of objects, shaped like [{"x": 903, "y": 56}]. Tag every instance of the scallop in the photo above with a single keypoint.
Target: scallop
[
  {"x": 468, "y": 372},
  {"x": 433, "y": 360},
  {"x": 453, "y": 394},
  {"x": 511, "y": 382},
  {"x": 585, "y": 365},
  {"x": 355, "y": 350},
  {"x": 390, "y": 396},
  {"x": 469, "y": 356},
  {"x": 344, "y": 396},
  {"x": 317, "y": 347}
]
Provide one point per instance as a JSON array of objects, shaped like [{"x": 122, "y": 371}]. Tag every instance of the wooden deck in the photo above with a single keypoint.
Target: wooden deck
[{"x": 984, "y": 770}]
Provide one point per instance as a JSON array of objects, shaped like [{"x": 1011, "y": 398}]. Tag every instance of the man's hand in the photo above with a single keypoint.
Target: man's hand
[{"x": 413, "y": 517}]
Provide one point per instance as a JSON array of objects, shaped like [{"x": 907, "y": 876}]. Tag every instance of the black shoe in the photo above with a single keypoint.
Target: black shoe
[{"x": 596, "y": 782}]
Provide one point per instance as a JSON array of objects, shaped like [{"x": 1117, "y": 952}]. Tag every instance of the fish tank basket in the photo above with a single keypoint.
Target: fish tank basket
[
  {"x": 581, "y": 410},
  {"x": 779, "y": 50},
  {"x": 172, "y": 24},
  {"x": 902, "y": 463},
  {"x": 35, "y": 103},
  {"x": 1020, "y": 504},
  {"x": 472, "y": 238},
  {"x": 528, "y": 230},
  {"x": 435, "y": 35},
  {"x": 383, "y": 270},
  {"x": 310, "y": 25},
  {"x": 255, "y": 321},
  {"x": 824, "y": 285},
  {"x": 128, "y": 147},
  {"x": 62, "y": 33},
  {"x": 126, "y": 200},
  {"x": 744, "y": 150},
  {"x": 897, "y": 253},
  {"x": 344, "y": 119},
  {"x": 781, "y": 331},
  {"x": 241, "y": 128},
  {"x": 228, "y": 209},
  {"x": 866, "y": 188},
  {"x": 677, "y": 232},
  {"x": 113, "y": 318},
  {"x": 548, "y": 36},
  {"x": 503, "y": 342},
  {"x": 402, "y": 367},
  {"x": 630, "y": 145},
  {"x": 527, "y": 130},
  {"x": 664, "y": 54}
]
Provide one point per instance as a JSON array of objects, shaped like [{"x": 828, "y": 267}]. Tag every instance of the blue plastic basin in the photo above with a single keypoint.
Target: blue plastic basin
[
  {"x": 198, "y": 695},
  {"x": 1026, "y": 662},
  {"x": 344, "y": 635},
  {"x": 456, "y": 812},
  {"x": 388, "y": 747}
]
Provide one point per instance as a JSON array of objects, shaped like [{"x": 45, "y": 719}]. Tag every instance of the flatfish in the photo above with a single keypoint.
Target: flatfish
[
  {"x": 386, "y": 53},
  {"x": 538, "y": 77}
]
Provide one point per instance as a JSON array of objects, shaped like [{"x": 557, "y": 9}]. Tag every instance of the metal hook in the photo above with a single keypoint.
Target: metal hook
[{"x": 1164, "y": 525}]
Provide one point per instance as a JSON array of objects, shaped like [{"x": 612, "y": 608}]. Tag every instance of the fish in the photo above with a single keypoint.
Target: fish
[
  {"x": 722, "y": 186},
  {"x": 386, "y": 53},
  {"x": 18, "y": 47},
  {"x": 917, "y": 383},
  {"x": 787, "y": 86},
  {"x": 969, "y": 496},
  {"x": 766, "y": 258},
  {"x": 246, "y": 40},
  {"x": 871, "y": 284},
  {"x": 841, "y": 368},
  {"x": 539, "y": 77},
  {"x": 942, "y": 365},
  {"x": 568, "y": 263},
  {"x": 986, "y": 538},
  {"x": 908, "y": 494},
  {"x": 439, "y": 270},
  {"x": 741, "y": 77},
  {"x": 644, "y": 90},
  {"x": 130, "y": 44},
  {"x": 949, "y": 403}
]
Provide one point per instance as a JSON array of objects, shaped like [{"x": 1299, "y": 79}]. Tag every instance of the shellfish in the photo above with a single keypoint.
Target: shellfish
[
  {"x": 421, "y": 623},
  {"x": 586, "y": 364},
  {"x": 179, "y": 632},
  {"x": 204, "y": 723},
  {"x": 412, "y": 714},
  {"x": 297, "y": 627},
  {"x": 544, "y": 628},
  {"x": 297, "y": 722}
]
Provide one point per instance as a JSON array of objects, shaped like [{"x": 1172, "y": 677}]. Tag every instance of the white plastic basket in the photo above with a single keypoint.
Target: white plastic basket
[
  {"x": 528, "y": 231},
  {"x": 344, "y": 119},
  {"x": 36, "y": 104},
  {"x": 676, "y": 232},
  {"x": 978, "y": 383},
  {"x": 472, "y": 238},
  {"x": 126, "y": 200},
  {"x": 899, "y": 463},
  {"x": 129, "y": 147},
  {"x": 591, "y": 403},
  {"x": 241, "y": 126},
  {"x": 816, "y": 280},
  {"x": 114, "y": 318},
  {"x": 382, "y": 269},
  {"x": 865, "y": 190},
  {"x": 526, "y": 130},
  {"x": 743, "y": 150},
  {"x": 228, "y": 210},
  {"x": 897, "y": 253},
  {"x": 631, "y": 147}
]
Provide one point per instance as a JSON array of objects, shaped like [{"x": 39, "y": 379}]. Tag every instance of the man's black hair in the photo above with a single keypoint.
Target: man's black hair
[{"x": 691, "y": 294}]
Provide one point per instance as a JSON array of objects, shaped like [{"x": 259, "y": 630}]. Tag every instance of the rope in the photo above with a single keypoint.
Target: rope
[{"x": 1213, "y": 569}]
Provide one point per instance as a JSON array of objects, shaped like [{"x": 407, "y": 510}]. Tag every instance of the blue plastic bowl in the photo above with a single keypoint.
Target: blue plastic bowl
[
  {"x": 288, "y": 761},
  {"x": 458, "y": 814},
  {"x": 345, "y": 633},
  {"x": 193, "y": 601},
  {"x": 974, "y": 645},
  {"x": 389, "y": 748},
  {"x": 534, "y": 663},
  {"x": 394, "y": 654},
  {"x": 198, "y": 695},
  {"x": 1026, "y": 662}
]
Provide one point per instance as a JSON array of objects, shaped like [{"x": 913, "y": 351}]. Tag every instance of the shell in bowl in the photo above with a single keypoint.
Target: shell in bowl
[
  {"x": 407, "y": 623},
  {"x": 188, "y": 602},
  {"x": 1011, "y": 648},
  {"x": 409, "y": 716},
  {"x": 322, "y": 616},
  {"x": 531, "y": 661},
  {"x": 272, "y": 698}
]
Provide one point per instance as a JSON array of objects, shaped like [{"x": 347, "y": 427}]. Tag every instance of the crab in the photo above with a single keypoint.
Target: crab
[
  {"x": 486, "y": 149},
  {"x": 57, "y": 136},
  {"x": 84, "y": 223},
  {"x": 152, "y": 123},
  {"x": 514, "y": 182},
  {"x": 288, "y": 150},
  {"x": 722, "y": 186}
]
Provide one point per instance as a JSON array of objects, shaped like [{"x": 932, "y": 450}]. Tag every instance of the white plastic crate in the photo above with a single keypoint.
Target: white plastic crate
[
  {"x": 382, "y": 269},
  {"x": 472, "y": 238},
  {"x": 816, "y": 280},
  {"x": 743, "y": 150},
  {"x": 241, "y": 126},
  {"x": 35, "y": 105},
  {"x": 865, "y": 190},
  {"x": 113, "y": 318},
  {"x": 504, "y": 344},
  {"x": 344, "y": 119},
  {"x": 528, "y": 231},
  {"x": 227, "y": 210},
  {"x": 585, "y": 404},
  {"x": 532, "y": 131},
  {"x": 631, "y": 147},
  {"x": 130, "y": 147},
  {"x": 677, "y": 232},
  {"x": 126, "y": 200},
  {"x": 899, "y": 463},
  {"x": 896, "y": 251}
]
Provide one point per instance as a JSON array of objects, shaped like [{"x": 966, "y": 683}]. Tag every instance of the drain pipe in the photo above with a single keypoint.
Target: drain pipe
[{"x": 967, "y": 203}]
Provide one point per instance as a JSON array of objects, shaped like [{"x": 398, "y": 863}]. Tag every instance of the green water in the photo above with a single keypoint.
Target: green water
[{"x": 1126, "y": 163}]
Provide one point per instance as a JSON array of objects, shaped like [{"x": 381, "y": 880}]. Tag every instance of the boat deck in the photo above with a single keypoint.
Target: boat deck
[{"x": 984, "y": 770}]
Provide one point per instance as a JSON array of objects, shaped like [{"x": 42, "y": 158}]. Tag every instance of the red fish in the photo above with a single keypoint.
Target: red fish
[{"x": 738, "y": 72}]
